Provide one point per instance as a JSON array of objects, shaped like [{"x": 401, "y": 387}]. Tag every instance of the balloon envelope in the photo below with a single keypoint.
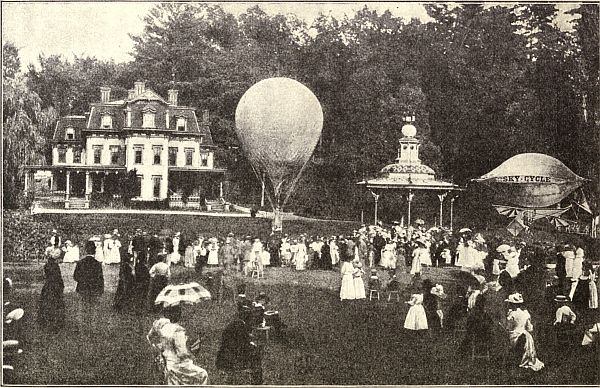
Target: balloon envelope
[
  {"x": 279, "y": 122},
  {"x": 531, "y": 180}
]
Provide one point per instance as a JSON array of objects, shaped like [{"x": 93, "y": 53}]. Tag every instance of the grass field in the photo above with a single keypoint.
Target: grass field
[{"x": 350, "y": 343}]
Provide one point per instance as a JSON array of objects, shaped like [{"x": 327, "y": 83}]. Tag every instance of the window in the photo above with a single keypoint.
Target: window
[
  {"x": 138, "y": 185},
  {"x": 115, "y": 152},
  {"x": 62, "y": 155},
  {"x": 201, "y": 139},
  {"x": 97, "y": 154},
  {"x": 189, "y": 156},
  {"x": 128, "y": 117},
  {"x": 181, "y": 124},
  {"x": 204, "y": 160},
  {"x": 138, "y": 150},
  {"x": 70, "y": 134},
  {"x": 148, "y": 119},
  {"x": 106, "y": 121},
  {"x": 157, "y": 151},
  {"x": 156, "y": 186},
  {"x": 77, "y": 155},
  {"x": 173, "y": 156}
]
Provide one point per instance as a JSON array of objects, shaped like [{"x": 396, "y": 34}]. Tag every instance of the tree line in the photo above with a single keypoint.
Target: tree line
[{"x": 484, "y": 83}]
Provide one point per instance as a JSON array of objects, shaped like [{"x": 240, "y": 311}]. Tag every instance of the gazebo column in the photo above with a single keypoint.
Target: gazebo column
[
  {"x": 441, "y": 198},
  {"x": 452, "y": 212},
  {"x": 26, "y": 187},
  {"x": 376, "y": 198},
  {"x": 409, "y": 198}
]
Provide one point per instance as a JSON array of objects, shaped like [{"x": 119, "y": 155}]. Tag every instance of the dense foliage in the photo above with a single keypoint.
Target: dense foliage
[{"x": 485, "y": 83}]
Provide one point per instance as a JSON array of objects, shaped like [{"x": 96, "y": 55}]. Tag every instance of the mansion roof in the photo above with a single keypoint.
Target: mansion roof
[{"x": 166, "y": 115}]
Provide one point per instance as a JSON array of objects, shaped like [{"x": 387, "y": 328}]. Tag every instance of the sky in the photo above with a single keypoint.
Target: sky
[{"x": 101, "y": 29}]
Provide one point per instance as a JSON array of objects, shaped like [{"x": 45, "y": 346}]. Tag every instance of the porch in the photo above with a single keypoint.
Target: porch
[{"x": 74, "y": 187}]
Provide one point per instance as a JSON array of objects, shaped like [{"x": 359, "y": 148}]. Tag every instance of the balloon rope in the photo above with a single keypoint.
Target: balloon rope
[
  {"x": 293, "y": 184},
  {"x": 263, "y": 182}
]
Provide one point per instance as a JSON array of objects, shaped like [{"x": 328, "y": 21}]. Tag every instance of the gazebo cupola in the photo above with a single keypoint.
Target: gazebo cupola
[
  {"x": 409, "y": 175},
  {"x": 408, "y": 166}
]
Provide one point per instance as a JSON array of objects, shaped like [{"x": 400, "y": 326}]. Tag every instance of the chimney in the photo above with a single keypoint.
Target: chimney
[
  {"x": 131, "y": 94},
  {"x": 104, "y": 94},
  {"x": 173, "y": 96},
  {"x": 140, "y": 87},
  {"x": 205, "y": 116}
]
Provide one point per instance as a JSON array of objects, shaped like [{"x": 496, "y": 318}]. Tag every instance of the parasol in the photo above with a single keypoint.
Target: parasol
[
  {"x": 465, "y": 230},
  {"x": 419, "y": 221},
  {"x": 190, "y": 293}
]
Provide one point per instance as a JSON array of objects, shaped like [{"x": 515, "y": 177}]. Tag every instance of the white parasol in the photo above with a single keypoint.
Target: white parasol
[{"x": 190, "y": 293}]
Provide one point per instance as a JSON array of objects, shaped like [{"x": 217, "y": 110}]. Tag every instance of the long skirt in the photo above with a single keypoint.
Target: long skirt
[
  {"x": 185, "y": 373},
  {"x": 359, "y": 288},
  {"x": 416, "y": 318},
  {"x": 529, "y": 358},
  {"x": 51, "y": 309},
  {"x": 347, "y": 291},
  {"x": 189, "y": 258},
  {"x": 157, "y": 283}
]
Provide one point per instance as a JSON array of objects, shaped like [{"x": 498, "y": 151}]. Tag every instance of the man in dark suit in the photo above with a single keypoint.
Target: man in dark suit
[
  {"x": 90, "y": 284},
  {"x": 378, "y": 245},
  {"x": 238, "y": 352}
]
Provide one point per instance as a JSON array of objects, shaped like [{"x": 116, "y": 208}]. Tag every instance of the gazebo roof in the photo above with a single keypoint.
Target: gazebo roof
[{"x": 386, "y": 182}]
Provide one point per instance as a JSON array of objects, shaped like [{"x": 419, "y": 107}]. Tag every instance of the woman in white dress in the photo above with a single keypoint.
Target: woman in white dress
[
  {"x": 256, "y": 257},
  {"x": 114, "y": 252},
  {"x": 359, "y": 284},
  {"x": 301, "y": 255},
  {"x": 416, "y": 318},
  {"x": 285, "y": 252},
  {"x": 425, "y": 254},
  {"x": 106, "y": 248},
  {"x": 519, "y": 329},
  {"x": 174, "y": 256},
  {"x": 418, "y": 252},
  {"x": 99, "y": 255},
  {"x": 170, "y": 340},
  {"x": 386, "y": 254},
  {"x": 213, "y": 252},
  {"x": 347, "y": 291},
  {"x": 334, "y": 251},
  {"x": 71, "y": 252}
]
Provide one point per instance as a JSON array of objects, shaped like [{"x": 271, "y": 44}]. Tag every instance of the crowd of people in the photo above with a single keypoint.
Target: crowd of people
[{"x": 390, "y": 257}]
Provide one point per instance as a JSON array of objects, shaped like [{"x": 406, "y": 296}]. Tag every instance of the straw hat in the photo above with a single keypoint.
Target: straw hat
[
  {"x": 515, "y": 298},
  {"x": 569, "y": 254},
  {"x": 438, "y": 290},
  {"x": 503, "y": 248},
  {"x": 561, "y": 299}
]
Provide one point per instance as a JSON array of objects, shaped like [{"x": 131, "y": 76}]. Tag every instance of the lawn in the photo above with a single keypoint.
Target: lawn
[{"x": 348, "y": 343}]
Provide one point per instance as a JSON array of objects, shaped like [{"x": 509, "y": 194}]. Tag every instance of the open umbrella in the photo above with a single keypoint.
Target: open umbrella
[
  {"x": 419, "y": 221},
  {"x": 190, "y": 293},
  {"x": 465, "y": 230}
]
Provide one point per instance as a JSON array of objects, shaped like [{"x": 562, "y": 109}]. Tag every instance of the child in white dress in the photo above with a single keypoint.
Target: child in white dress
[{"x": 416, "y": 318}]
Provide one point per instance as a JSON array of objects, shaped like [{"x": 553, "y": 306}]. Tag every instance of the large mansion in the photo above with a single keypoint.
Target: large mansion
[{"x": 162, "y": 141}]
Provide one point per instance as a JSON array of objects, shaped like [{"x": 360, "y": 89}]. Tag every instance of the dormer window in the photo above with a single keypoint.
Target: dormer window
[
  {"x": 70, "y": 134},
  {"x": 107, "y": 122},
  {"x": 148, "y": 118},
  {"x": 181, "y": 124}
]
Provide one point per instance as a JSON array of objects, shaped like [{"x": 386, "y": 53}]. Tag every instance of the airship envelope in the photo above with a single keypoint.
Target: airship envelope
[{"x": 531, "y": 180}]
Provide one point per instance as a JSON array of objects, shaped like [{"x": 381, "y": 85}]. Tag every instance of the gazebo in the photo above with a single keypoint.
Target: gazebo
[{"x": 410, "y": 176}]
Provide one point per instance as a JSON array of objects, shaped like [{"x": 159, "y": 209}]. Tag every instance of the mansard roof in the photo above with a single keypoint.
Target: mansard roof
[
  {"x": 146, "y": 101},
  {"x": 76, "y": 122}
]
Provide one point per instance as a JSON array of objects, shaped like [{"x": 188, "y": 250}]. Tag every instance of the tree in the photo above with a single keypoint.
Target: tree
[{"x": 24, "y": 125}]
